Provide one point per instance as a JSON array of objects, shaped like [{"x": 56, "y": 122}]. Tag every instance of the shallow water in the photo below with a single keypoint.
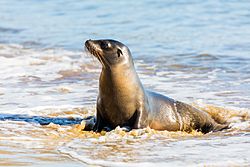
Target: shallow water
[{"x": 197, "y": 52}]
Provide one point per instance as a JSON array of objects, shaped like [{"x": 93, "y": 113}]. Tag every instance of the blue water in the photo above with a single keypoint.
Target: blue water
[
  {"x": 150, "y": 28},
  {"x": 194, "y": 51}
]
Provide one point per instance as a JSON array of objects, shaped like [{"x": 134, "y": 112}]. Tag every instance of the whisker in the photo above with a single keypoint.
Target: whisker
[
  {"x": 105, "y": 60},
  {"x": 94, "y": 52},
  {"x": 100, "y": 58},
  {"x": 89, "y": 54}
]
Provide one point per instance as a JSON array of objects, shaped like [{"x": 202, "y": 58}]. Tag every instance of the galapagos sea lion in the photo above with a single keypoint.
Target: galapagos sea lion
[{"x": 123, "y": 101}]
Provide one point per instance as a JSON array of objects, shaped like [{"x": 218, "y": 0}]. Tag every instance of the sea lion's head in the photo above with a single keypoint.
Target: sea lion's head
[{"x": 110, "y": 53}]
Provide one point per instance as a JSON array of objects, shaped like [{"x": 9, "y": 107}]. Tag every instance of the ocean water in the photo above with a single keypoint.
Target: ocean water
[{"x": 193, "y": 51}]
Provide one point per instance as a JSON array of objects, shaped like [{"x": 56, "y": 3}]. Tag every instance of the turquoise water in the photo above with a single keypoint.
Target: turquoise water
[{"x": 194, "y": 51}]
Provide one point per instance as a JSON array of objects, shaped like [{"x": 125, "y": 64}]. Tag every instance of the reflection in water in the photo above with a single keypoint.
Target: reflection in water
[{"x": 40, "y": 119}]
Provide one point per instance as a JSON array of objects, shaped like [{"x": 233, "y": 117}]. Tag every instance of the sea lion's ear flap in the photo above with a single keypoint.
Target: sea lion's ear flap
[{"x": 119, "y": 52}]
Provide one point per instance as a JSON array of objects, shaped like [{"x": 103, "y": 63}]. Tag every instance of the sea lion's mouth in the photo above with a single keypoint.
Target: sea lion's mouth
[
  {"x": 91, "y": 48},
  {"x": 94, "y": 50}
]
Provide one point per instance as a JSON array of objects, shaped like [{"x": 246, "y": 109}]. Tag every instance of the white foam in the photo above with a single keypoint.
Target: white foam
[{"x": 46, "y": 110}]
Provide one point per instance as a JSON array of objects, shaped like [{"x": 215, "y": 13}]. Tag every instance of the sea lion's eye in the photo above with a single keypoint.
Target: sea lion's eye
[
  {"x": 105, "y": 45},
  {"x": 119, "y": 52}
]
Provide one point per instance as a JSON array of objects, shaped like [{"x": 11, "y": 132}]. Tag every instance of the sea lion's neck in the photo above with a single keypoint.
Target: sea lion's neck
[{"x": 122, "y": 79}]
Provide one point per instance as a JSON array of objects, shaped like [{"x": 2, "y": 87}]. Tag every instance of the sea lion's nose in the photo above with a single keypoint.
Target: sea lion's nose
[{"x": 87, "y": 43}]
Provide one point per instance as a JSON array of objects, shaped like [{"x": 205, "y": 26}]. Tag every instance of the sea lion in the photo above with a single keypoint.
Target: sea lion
[{"x": 123, "y": 101}]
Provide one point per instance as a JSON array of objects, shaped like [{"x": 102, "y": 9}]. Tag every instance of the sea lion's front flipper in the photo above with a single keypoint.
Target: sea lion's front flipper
[
  {"x": 89, "y": 123},
  {"x": 141, "y": 120},
  {"x": 100, "y": 123}
]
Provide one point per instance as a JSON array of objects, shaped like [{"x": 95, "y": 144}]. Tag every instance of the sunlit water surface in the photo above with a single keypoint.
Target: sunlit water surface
[{"x": 197, "y": 52}]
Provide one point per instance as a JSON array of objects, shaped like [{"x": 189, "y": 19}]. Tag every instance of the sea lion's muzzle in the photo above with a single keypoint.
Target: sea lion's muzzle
[
  {"x": 93, "y": 47},
  {"x": 89, "y": 44}
]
